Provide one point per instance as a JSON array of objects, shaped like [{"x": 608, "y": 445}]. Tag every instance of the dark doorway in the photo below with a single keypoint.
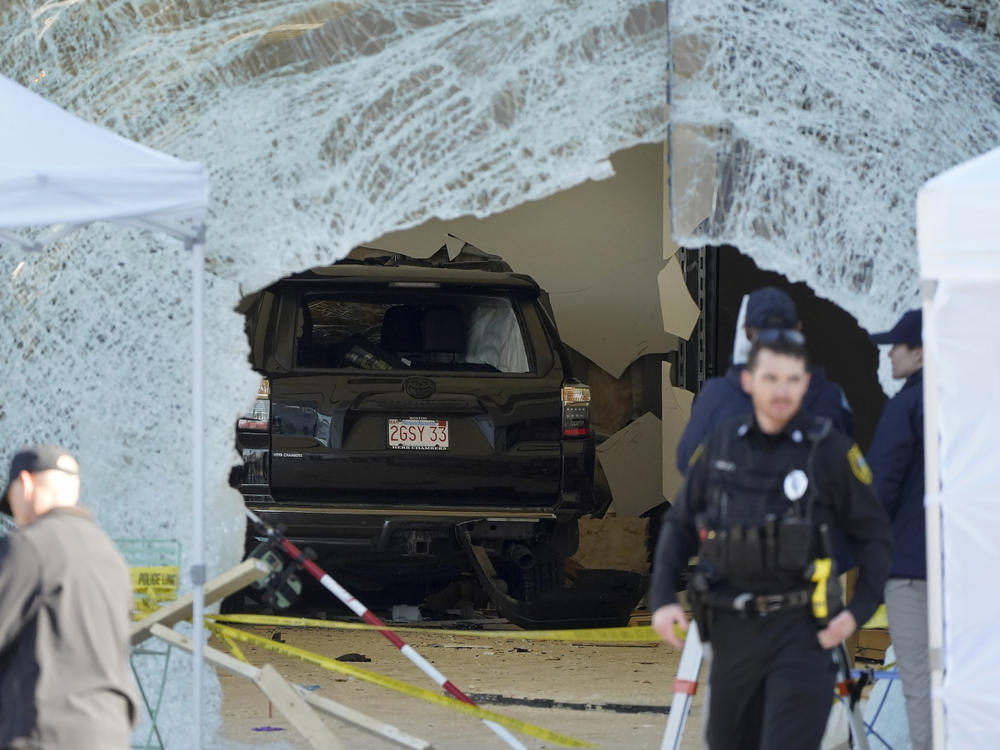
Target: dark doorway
[{"x": 836, "y": 342}]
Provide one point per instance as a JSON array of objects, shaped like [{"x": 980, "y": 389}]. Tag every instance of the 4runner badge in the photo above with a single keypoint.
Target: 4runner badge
[{"x": 419, "y": 387}]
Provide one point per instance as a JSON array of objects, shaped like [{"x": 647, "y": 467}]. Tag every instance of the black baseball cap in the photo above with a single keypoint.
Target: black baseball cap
[
  {"x": 35, "y": 459},
  {"x": 769, "y": 307},
  {"x": 908, "y": 330}
]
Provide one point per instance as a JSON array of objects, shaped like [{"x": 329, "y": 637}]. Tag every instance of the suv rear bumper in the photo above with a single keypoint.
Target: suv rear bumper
[{"x": 397, "y": 530}]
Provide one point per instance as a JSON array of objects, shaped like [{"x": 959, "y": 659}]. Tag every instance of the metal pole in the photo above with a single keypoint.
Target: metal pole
[
  {"x": 197, "y": 248},
  {"x": 932, "y": 515},
  {"x": 849, "y": 696},
  {"x": 684, "y": 687}
]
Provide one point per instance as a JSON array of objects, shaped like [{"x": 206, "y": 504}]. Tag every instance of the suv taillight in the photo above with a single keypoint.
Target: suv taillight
[
  {"x": 576, "y": 410},
  {"x": 260, "y": 416}
]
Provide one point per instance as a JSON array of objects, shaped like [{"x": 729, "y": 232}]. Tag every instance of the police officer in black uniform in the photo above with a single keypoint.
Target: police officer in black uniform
[{"x": 759, "y": 505}]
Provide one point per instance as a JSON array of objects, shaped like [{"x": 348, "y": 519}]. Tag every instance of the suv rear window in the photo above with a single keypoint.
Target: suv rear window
[{"x": 447, "y": 331}]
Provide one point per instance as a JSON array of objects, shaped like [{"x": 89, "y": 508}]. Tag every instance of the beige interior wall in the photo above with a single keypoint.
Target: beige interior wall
[{"x": 596, "y": 248}]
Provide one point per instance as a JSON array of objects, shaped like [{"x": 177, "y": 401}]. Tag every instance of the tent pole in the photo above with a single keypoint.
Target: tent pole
[
  {"x": 197, "y": 248},
  {"x": 932, "y": 513}
]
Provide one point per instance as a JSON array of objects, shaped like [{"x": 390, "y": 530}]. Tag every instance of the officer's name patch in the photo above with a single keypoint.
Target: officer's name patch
[{"x": 858, "y": 464}]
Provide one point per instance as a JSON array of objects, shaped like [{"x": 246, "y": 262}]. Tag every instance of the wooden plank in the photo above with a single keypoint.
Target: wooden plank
[
  {"x": 361, "y": 721},
  {"x": 213, "y": 656},
  {"x": 325, "y": 705},
  {"x": 295, "y": 709},
  {"x": 272, "y": 684},
  {"x": 218, "y": 588}
]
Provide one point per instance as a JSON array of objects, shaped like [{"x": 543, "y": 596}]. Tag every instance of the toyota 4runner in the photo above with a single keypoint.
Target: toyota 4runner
[{"x": 420, "y": 419}]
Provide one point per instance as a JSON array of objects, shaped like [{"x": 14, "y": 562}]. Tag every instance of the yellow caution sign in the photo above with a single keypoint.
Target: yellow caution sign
[
  {"x": 232, "y": 634},
  {"x": 641, "y": 634},
  {"x": 152, "y": 586}
]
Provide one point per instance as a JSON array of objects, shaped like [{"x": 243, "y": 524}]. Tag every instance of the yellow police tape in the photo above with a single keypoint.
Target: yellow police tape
[
  {"x": 641, "y": 634},
  {"x": 232, "y": 634},
  {"x": 234, "y": 648}
]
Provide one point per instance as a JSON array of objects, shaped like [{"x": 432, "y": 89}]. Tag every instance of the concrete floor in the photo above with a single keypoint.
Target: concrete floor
[{"x": 572, "y": 674}]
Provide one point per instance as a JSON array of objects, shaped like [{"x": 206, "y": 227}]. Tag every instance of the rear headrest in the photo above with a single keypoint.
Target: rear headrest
[
  {"x": 401, "y": 329},
  {"x": 444, "y": 329}
]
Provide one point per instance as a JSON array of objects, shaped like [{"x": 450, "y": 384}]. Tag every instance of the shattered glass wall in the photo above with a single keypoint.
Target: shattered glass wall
[
  {"x": 801, "y": 131},
  {"x": 323, "y": 125}
]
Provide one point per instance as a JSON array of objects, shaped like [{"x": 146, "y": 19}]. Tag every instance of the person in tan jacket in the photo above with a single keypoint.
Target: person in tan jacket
[{"x": 65, "y": 604}]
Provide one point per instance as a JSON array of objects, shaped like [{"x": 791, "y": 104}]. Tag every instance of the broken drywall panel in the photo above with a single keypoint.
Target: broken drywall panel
[
  {"x": 610, "y": 399},
  {"x": 595, "y": 248},
  {"x": 680, "y": 312},
  {"x": 676, "y": 412},
  {"x": 684, "y": 399},
  {"x": 612, "y": 319},
  {"x": 631, "y": 460},
  {"x": 454, "y": 245}
]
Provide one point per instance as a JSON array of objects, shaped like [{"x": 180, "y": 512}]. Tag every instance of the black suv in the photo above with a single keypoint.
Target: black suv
[{"x": 419, "y": 419}]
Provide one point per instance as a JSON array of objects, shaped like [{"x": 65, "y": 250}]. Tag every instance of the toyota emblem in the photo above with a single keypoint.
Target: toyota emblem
[{"x": 419, "y": 387}]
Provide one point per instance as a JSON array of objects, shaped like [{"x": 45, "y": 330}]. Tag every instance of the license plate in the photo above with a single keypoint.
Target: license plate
[{"x": 418, "y": 434}]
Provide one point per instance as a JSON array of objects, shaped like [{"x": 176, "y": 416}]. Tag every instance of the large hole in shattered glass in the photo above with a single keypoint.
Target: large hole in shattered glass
[{"x": 595, "y": 250}]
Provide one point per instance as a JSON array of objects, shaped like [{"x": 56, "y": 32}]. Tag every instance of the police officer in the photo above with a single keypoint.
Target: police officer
[
  {"x": 758, "y": 505},
  {"x": 723, "y": 397},
  {"x": 897, "y": 460}
]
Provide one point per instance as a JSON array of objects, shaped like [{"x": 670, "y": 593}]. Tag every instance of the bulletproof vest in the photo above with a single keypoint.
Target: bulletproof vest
[{"x": 759, "y": 531}]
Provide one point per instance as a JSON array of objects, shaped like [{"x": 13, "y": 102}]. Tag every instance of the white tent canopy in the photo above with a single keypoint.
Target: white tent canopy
[
  {"x": 58, "y": 169},
  {"x": 58, "y": 172},
  {"x": 958, "y": 223},
  {"x": 958, "y": 213}
]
